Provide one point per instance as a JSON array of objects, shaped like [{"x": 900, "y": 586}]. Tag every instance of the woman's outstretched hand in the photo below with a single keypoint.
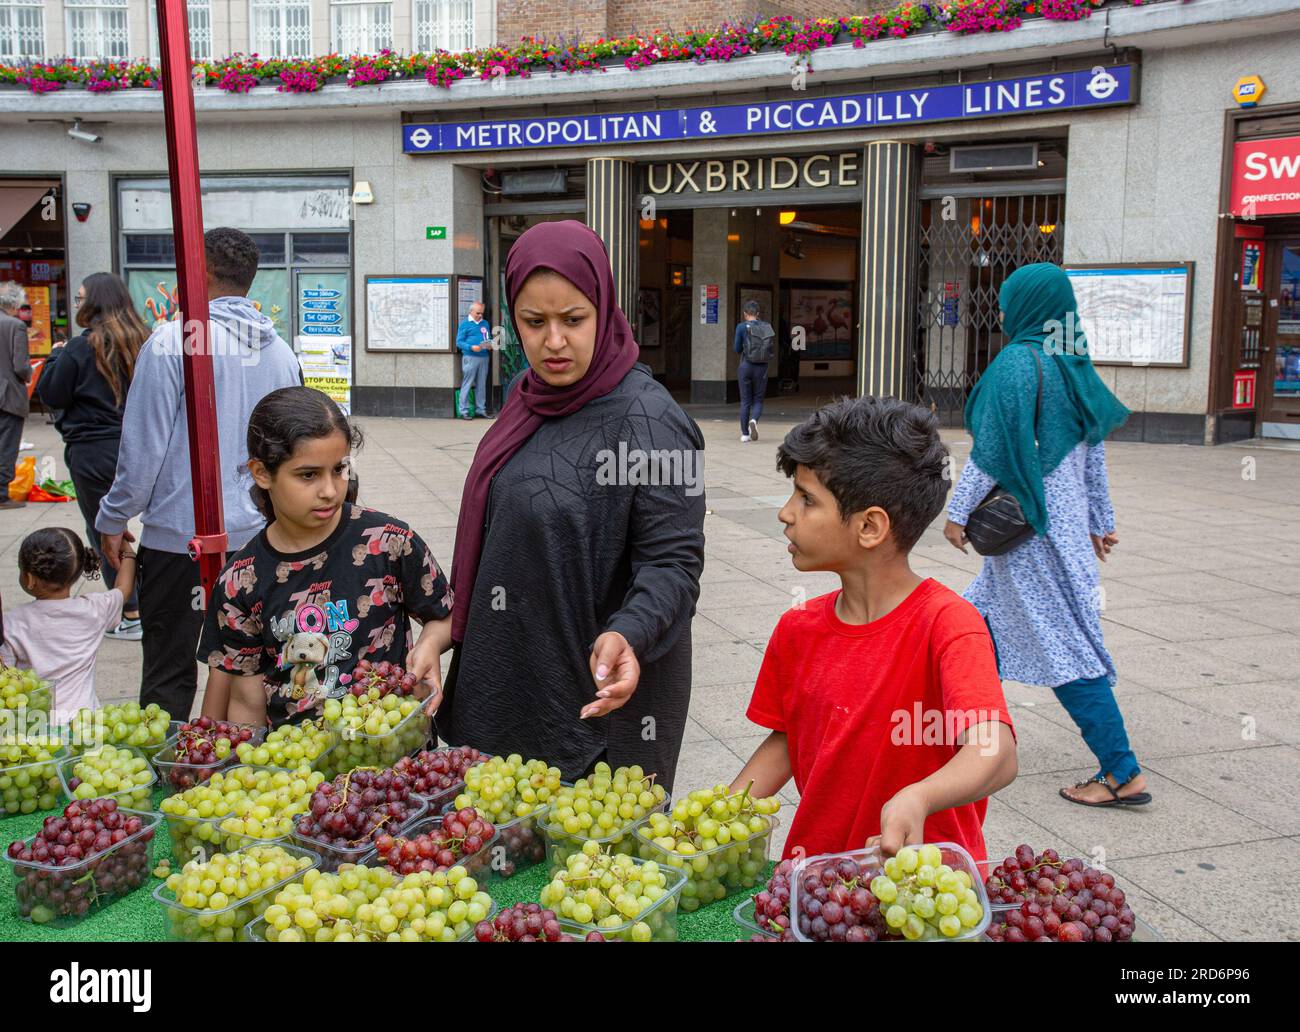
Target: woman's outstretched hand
[
  {"x": 956, "y": 535},
  {"x": 615, "y": 670}
]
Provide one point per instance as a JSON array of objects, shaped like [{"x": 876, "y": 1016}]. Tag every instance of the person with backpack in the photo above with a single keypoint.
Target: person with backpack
[{"x": 755, "y": 343}]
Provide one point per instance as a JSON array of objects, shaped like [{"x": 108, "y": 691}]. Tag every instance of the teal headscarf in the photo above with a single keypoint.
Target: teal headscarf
[{"x": 1040, "y": 313}]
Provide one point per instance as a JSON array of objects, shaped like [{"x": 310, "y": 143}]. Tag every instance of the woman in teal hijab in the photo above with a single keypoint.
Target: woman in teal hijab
[{"x": 1042, "y": 599}]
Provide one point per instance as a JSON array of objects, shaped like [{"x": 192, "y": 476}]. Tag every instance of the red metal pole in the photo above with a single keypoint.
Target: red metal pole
[{"x": 209, "y": 543}]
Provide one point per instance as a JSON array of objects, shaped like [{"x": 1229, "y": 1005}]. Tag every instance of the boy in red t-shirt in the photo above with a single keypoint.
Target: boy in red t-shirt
[{"x": 883, "y": 697}]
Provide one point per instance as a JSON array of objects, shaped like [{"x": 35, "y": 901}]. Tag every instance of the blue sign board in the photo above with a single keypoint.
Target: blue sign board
[{"x": 996, "y": 98}]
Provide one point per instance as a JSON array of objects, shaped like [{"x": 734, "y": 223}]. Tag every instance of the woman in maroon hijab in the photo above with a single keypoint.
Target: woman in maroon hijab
[{"x": 581, "y": 535}]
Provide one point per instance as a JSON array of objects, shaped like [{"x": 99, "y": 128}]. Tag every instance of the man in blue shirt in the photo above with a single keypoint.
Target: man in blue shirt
[{"x": 474, "y": 341}]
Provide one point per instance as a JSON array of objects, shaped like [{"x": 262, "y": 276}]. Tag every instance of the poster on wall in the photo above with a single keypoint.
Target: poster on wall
[
  {"x": 156, "y": 296},
  {"x": 38, "y": 336},
  {"x": 1252, "y": 264},
  {"x": 826, "y": 315},
  {"x": 1133, "y": 313},
  {"x": 649, "y": 318},
  {"x": 324, "y": 341},
  {"x": 408, "y": 313},
  {"x": 469, "y": 291}
]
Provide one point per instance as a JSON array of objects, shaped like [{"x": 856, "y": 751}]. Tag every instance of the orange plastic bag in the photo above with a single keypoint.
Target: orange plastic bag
[{"x": 24, "y": 479}]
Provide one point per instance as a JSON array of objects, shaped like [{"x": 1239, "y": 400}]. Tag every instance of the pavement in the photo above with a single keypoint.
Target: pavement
[{"x": 1201, "y": 613}]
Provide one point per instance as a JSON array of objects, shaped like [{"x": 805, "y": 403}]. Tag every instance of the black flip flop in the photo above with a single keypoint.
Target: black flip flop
[{"x": 1136, "y": 799}]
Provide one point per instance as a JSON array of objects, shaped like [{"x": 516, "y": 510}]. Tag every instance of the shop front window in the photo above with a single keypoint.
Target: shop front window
[
  {"x": 1286, "y": 374},
  {"x": 281, "y": 28},
  {"x": 200, "y": 21},
  {"x": 360, "y": 27},
  {"x": 444, "y": 25},
  {"x": 22, "y": 30},
  {"x": 97, "y": 28}
]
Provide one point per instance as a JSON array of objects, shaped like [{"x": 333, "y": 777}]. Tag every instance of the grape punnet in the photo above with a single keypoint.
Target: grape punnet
[{"x": 1059, "y": 900}]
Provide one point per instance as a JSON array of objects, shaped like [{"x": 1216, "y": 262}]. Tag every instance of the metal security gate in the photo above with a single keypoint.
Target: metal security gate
[{"x": 968, "y": 247}]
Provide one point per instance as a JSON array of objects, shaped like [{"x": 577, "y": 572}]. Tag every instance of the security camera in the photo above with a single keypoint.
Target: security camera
[{"x": 78, "y": 133}]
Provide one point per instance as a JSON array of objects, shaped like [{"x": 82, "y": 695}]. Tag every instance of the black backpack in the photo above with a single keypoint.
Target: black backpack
[{"x": 760, "y": 341}]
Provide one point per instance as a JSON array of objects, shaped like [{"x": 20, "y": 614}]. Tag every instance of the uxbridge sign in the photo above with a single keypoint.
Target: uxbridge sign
[{"x": 1102, "y": 86}]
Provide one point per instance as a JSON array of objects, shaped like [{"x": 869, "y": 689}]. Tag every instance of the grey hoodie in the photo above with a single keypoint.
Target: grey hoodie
[{"x": 249, "y": 361}]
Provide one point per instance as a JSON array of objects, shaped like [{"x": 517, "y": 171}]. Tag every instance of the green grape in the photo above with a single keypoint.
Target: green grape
[
  {"x": 624, "y": 898},
  {"x": 372, "y": 904},
  {"x": 930, "y": 900},
  {"x": 120, "y": 773},
  {"x": 23, "y": 690},
  {"x": 373, "y": 730},
  {"x": 29, "y": 777},
  {"x": 122, "y": 724},
  {"x": 237, "y": 803},
  {"x": 290, "y": 746},
  {"x": 242, "y": 879},
  {"x": 602, "y": 807}
]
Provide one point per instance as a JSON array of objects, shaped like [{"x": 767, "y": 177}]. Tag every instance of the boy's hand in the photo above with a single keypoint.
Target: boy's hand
[
  {"x": 902, "y": 821},
  {"x": 424, "y": 661},
  {"x": 615, "y": 670},
  {"x": 956, "y": 535}
]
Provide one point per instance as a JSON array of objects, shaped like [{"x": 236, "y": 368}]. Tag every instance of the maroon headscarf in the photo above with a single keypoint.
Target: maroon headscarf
[{"x": 576, "y": 253}]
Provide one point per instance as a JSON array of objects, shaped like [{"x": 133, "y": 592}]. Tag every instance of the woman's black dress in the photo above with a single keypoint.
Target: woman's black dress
[{"x": 568, "y": 555}]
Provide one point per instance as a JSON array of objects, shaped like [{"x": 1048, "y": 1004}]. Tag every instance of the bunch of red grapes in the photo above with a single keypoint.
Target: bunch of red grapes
[
  {"x": 438, "y": 771},
  {"x": 527, "y": 922},
  {"x": 353, "y": 807},
  {"x": 388, "y": 677},
  {"x": 79, "y": 846},
  {"x": 1060, "y": 900},
  {"x": 457, "y": 838},
  {"x": 196, "y": 744},
  {"x": 772, "y": 906},
  {"x": 835, "y": 904}
]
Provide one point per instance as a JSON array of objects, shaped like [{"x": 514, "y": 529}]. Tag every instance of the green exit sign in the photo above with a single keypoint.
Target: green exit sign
[{"x": 435, "y": 232}]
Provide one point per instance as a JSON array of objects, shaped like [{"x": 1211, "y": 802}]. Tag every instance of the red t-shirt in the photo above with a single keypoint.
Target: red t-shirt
[{"x": 849, "y": 696}]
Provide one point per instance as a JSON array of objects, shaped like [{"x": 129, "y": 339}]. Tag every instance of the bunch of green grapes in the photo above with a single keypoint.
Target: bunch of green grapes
[
  {"x": 924, "y": 898},
  {"x": 23, "y": 690},
  {"x": 122, "y": 724},
  {"x": 112, "y": 772},
  {"x": 212, "y": 900},
  {"x": 289, "y": 746},
  {"x": 620, "y": 897},
  {"x": 506, "y": 787},
  {"x": 718, "y": 838},
  {"x": 372, "y": 904},
  {"x": 602, "y": 807},
  {"x": 241, "y": 802},
  {"x": 29, "y": 775},
  {"x": 373, "y": 730}
]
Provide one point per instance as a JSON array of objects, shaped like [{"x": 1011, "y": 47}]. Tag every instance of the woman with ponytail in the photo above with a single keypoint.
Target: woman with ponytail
[{"x": 85, "y": 381}]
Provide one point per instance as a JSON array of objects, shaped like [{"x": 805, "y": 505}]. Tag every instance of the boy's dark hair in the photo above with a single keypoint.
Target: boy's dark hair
[
  {"x": 232, "y": 257},
  {"x": 285, "y": 418},
  {"x": 750, "y": 307},
  {"x": 874, "y": 451},
  {"x": 57, "y": 556}
]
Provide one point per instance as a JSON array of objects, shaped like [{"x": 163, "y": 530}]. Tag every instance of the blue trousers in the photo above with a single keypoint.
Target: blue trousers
[
  {"x": 1091, "y": 704},
  {"x": 753, "y": 385},
  {"x": 475, "y": 374}
]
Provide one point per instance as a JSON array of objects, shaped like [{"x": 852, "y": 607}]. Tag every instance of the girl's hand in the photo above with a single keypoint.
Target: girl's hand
[
  {"x": 425, "y": 662},
  {"x": 615, "y": 670},
  {"x": 956, "y": 535},
  {"x": 1102, "y": 544},
  {"x": 902, "y": 821}
]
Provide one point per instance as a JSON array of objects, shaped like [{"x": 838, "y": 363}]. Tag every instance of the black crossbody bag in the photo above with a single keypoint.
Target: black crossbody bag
[{"x": 998, "y": 524}]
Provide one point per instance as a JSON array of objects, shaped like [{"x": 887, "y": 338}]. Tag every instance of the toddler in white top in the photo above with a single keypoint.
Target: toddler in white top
[{"x": 58, "y": 634}]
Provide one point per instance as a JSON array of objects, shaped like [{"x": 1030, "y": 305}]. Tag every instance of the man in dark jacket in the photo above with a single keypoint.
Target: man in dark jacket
[{"x": 15, "y": 372}]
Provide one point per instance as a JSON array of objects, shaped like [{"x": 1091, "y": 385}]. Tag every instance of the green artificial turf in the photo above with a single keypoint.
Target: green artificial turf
[{"x": 139, "y": 918}]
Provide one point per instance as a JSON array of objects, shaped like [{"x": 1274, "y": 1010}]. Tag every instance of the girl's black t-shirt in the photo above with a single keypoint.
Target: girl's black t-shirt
[{"x": 347, "y": 599}]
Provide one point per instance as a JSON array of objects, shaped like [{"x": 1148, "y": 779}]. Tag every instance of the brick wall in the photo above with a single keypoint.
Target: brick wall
[{"x": 592, "y": 19}]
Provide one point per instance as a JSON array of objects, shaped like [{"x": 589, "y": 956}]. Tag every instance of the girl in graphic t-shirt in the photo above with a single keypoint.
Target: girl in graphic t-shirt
[{"x": 326, "y": 584}]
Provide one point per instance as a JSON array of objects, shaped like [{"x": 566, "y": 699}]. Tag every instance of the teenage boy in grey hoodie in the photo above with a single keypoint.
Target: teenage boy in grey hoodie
[{"x": 249, "y": 361}]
